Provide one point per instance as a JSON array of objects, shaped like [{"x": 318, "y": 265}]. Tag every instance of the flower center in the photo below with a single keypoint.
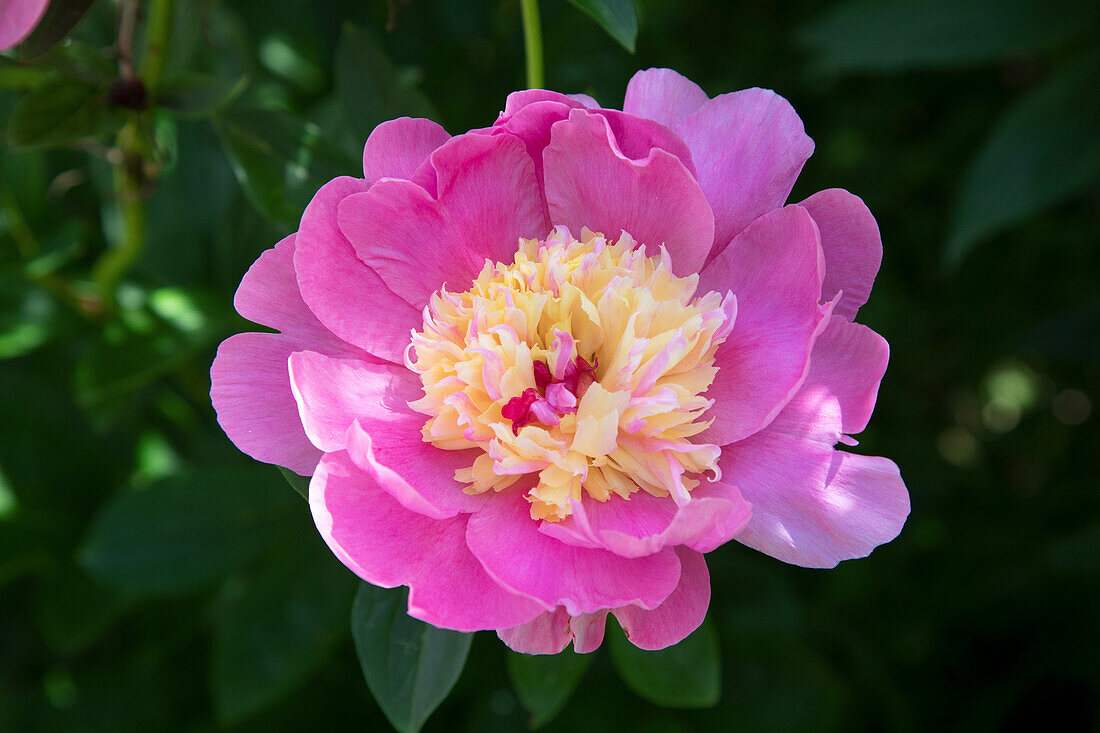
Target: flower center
[{"x": 580, "y": 368}]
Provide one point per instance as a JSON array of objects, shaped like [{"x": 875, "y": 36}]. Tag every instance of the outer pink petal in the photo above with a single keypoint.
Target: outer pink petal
[
  {"x": 249, "y": 381},
  {"x": 518, "y": 100},
  {"x": 387, "y": 545},
  {"x": 250, "y": 389},
  {"x": 748, "y": 148},
  {"x": 663, "y": 95},
  {"x": 396, "y": 148},
  {"x": 680, "y": 614},
  {"x": 331, "y": 393},
  {"x": 847, "y": 365},
  {"x": 852, "y": 246},
  {"x": 551, "y": 632},
  {"x": 420, "y": 476},
  {"x": 645, "y": 524},
  {"x": 590, "y": 183},
  {"x": 348, "y": 297},
  {"x": 488, "y": 199},
  {"x": 507, "y": 541},
  {"x": 774, "y": 268},
  {"x": 18, "y": 18}
]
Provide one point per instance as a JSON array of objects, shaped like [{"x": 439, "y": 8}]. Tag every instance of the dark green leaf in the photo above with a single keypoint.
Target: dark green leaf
[
  {"x": 197, "y": 95},
  {"x": 687, "y": 675},
  {"x": 298, "y": 483},
  {"x": 878, "y": 36},
  {"x": 279, "y": 160},
  {"x": 617, "y": 17},
  {"x": 80, "y": 62},
  {"x": 1044, "y": 149},
  {"x": 369, "y": 87},
  {"x": 544, "y": 683},
  {"x": 29, "y": 317},
  {"x": 17, "y": 76},
  {"x": 187, "y": 531},
  {"x": 277, "y": 627},
  {"x": 74, "y": 610},
  {"x": 410, "y": 666},
  {"x": 61, "y": 17},
  {"x": 60, "y": 113}
]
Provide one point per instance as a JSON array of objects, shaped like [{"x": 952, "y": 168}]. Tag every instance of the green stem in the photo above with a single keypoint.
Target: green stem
[
  {"x": 532, "y": 42},
  {"x": 156, "y": 47}
]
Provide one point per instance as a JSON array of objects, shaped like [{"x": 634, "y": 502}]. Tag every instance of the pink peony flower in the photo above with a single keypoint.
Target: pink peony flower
[
  {"x": 18, "y": 18},
  {"x": 539, "y": 369}
]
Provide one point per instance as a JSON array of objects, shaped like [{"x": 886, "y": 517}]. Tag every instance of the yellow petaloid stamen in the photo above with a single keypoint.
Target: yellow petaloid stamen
[{"x": 506, "y": 367}]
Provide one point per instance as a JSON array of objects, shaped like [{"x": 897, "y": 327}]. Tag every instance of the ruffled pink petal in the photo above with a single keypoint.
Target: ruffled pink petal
[
  {"x": 590, "y": 183},
  {"x": 551, "y": 632},
  {"x": 663, "y": 95},
  {"x": 748, "y": 148},
  {"x": 420, "y": 476},
  {"x": 250, "y": 390},
  {"x": 387, "y": 545},
  {"x": 507, "y": 541},
  {"x": 18, "y": 18},
  {"x": 249, "y": 381},
  {"x": 348, "y": 297},
  {"x": 680, "y": 614},
  {"x": 774, "y": 268},
  {"x": 852, "y": 246},
  {"x": 396, "y": 148},
  {"x": 518, "y": 100},
  {"x": 847, "y": 365},
  {"x": 812, "y": 505},
  {"x": 332, "y": 393},
  {"x": 645, "y": 524},
  {"x": 488, "y": 198},
  {"x": 585, "y": 100}
]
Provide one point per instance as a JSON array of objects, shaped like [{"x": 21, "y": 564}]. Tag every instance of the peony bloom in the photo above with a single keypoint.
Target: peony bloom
[
  {"x": 539, "y": 369},
  {"x": 18, "y": 18}
]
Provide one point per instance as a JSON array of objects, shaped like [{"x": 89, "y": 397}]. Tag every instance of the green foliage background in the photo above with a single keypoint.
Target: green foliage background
[{"x": 153, "y": 578}]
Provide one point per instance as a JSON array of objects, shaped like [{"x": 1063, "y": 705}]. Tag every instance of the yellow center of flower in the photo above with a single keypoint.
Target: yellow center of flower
[{"x": 579, "y": 368}]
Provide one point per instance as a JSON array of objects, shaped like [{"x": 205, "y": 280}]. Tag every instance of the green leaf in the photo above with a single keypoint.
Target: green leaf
[
  {"x": 80, "y": 62},
  {"x": 60, "y": 113},
  {"x": 198, "y": 95},
  {"x": 617, "y": 17},
  {"x": 188, "y": 531},
  {"x": 1045, "y": 148},
  {"x": 298, "y": 483},
  {"x": 279, "y": 160},
  {"x": 61, "y": 16},
  {"x": 16, "y": 76},
  {"x": 277, "y": 627},
  {"x": 410, "y": 666},
  {"x": 687, "y": 675},
  {"x": 74, "y": 611},
  {"x": 544, "y": 683},
  {"x": 29, "y": 317},
  {"x": 370, "y": 88},
  {"x": 895, "y": 35}
]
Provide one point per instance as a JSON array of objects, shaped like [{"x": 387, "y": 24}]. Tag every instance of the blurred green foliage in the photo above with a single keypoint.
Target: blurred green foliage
[{"x": 153, "y": 578}]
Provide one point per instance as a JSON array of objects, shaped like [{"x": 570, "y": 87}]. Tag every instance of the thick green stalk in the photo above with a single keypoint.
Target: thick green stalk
[{"x": 532, "y": 42}]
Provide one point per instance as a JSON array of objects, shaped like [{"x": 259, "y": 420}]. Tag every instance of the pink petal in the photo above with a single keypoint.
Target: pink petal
[
  {"x": 249, "y": 381},
  {"x": 396, "y": 148},
  {"x": 645, "y": 524},
  {"x": 680, "y": 614},
  {"x": 663, "y": 95},
  {"x": 488, "y": 199},
  {"x": 774, "y": 268},
  {"x": 507, "y": 541},
  {"x": 811, "y": 505},
  {"x": 847, "y": 365},
  {"x": 420, "y": 476},
  {"x": 547, "y": 633},
  {"x": 518, "y": 100},
  {"x": 387, "y": 545},
  {"x": 590, "y": 183},
  {"x": 348, "y": 297},
  {"x": 852, "y": 246},
  {"x": 587, "y": 630},
  {"x": 332, "y": 393},
  {"x": 18, "y": 18},
  {"x": 748, "y": 148},
  {"x": 250, "y": 389}
]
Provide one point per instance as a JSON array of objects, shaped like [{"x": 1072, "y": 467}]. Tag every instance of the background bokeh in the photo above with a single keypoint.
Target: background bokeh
[{"x": 153, "y": 578}]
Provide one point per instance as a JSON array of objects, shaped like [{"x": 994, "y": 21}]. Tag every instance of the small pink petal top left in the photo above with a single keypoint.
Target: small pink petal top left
[
  {"x": 18, "y": 18},
  {"x": 539, "y": 369}
]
